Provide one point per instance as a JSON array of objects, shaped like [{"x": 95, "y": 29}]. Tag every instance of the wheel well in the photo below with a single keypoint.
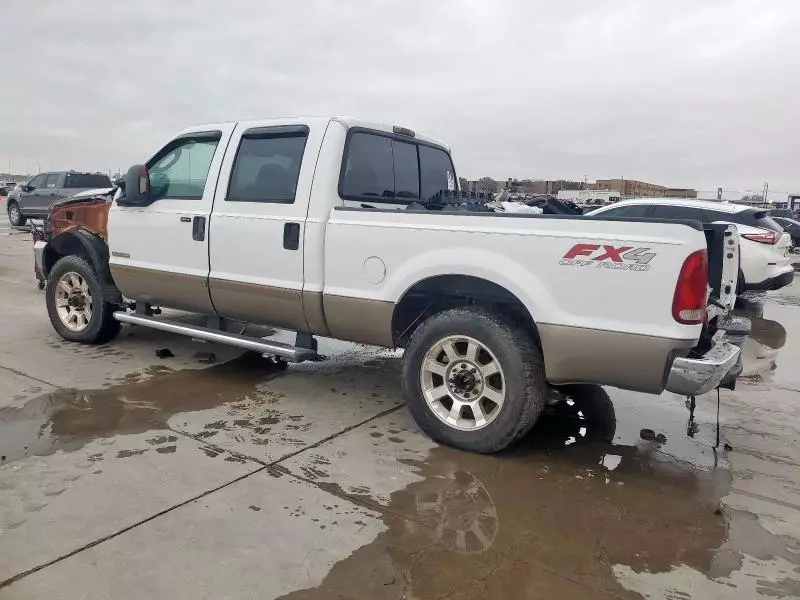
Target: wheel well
[
  {"x": 89, "y": 247},
  {"x": 64, "y": 245},
  {"x": 444, "y": 292}
]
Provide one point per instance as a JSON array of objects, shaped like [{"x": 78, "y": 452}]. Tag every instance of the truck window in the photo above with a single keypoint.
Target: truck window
[
  {"x": 51, "y": 181},
  {"x": 180, "y": 169},
  {"x": 267, "y": 166},
  {"x": 87, "y": 180},
  {"x": 369, "y": 169},
  {"x": 436, "y": 173},
  {"x": 37, "y": 182},
  {"x": 406, "y": 170}
]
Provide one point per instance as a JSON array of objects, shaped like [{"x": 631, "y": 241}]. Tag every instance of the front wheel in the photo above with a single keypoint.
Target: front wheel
[
  {"x": 473, "y": 379},
  {"x": 15, "y": 215},
  {"x": 75, "y": 303}
]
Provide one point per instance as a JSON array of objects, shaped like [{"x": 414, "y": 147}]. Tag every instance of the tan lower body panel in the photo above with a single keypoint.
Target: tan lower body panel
[
  {"x": 625, "y": 360},
  {"x": 161, "y": 288},
  {"x": 315, "y": 313},
  {"x": 262, "y": 304},
  {"x": 359, "y": 320}
]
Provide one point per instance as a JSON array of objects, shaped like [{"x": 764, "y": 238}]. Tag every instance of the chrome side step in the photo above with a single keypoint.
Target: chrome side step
[{"x": 262, "y": 345}]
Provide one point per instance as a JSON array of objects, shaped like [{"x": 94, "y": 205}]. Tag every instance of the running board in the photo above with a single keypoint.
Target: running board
[{"x": 262, "y": 345}]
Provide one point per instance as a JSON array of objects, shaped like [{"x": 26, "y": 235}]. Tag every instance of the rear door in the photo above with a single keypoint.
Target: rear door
[
  {"x": 159, "y": 253},
  {"x": 259, "y": 218}
]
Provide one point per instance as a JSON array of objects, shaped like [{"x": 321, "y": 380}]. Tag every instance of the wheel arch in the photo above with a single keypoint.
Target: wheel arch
[
  {"x": 436, "y": 293},
  {"x": 79, "y": 242}
]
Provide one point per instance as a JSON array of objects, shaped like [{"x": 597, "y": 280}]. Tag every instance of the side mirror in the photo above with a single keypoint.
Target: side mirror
[
  {"x": 137, "y": 187},
  {"x": 28, "y": 188}
]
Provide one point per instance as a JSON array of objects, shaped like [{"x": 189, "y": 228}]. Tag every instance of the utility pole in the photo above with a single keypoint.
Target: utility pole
[{"x": 766, "y": 191}]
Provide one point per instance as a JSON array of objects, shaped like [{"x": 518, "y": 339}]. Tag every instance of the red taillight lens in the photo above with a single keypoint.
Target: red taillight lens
[
  {"x": 770, "y": 237},
  {"x": 689, "y": 303}
]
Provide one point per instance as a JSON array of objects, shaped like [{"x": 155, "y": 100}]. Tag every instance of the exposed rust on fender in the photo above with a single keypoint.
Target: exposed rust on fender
[{"x": 90, "y": 214}]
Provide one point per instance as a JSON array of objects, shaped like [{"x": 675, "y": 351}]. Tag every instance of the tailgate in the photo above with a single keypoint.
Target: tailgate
[{"x": 722, "y": 241}]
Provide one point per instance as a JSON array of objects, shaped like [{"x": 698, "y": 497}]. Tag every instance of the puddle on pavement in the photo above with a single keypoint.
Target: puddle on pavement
[
  {"x": 66, "y": 419},
  {"x": 563, "y": 506}
]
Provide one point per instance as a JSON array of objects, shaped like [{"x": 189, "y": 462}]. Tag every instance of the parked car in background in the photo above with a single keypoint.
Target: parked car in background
[
  {"x": 764, "y": 245},
  {"x": 37, "y": 196},
  {"x": 6, "y": 187},
  {"x": 792, "y": 227}
]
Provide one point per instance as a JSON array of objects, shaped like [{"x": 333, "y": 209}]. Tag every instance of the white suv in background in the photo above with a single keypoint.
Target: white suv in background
[{"x": 765, "y": 262}]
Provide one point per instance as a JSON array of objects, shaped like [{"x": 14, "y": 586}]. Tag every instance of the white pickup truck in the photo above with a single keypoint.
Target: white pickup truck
[{"x": 334, "y": 227}]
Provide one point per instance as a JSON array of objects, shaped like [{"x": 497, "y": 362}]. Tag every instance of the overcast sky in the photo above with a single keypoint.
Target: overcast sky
[{"x": 675, "y": 92}]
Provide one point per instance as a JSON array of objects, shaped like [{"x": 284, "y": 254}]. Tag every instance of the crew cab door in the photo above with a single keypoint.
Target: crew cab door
[
  {"x": 159, "y": 252},
  {"x": 258, "y": 222},
  {"x": 28, "y": 199}
]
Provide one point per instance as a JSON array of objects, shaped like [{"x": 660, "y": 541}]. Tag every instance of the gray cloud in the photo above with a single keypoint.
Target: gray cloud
[{"x": 677, "y": 92}]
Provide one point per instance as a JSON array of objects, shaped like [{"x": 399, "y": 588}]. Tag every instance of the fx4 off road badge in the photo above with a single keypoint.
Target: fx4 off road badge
[{"x": 622, "y": 258}]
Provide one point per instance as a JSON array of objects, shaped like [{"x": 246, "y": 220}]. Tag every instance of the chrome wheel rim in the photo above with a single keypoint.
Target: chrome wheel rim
[
  {"x": 73, "y": 301},
  {"x": 462, "y": 383},
  {"x": 14, "y": 212}
]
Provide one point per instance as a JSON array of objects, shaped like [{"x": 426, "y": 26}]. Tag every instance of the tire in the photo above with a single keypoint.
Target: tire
[
  {"x": 98, "y": 325},
  {"x": 14, "y": 215},
  {"x": 504, "y": 345}
]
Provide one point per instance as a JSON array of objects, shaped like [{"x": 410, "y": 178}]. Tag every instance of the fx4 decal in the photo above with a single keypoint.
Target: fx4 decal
[{"x": 602, "y": 256}]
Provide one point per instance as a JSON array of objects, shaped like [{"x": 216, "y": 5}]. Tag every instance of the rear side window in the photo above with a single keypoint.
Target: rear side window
[
  {"x": 51, "y": 181},
  {"x": 86, "y": 180},
  {"x": 379, "y": 167},
  {"x": 662, "y": 211},
  {"x": 437, "y": 175},
  {"x": 267, "y": 165},
  {"x": 632, "y": 210}
]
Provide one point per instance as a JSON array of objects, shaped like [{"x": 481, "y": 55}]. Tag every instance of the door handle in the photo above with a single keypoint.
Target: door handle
[
  {"x": 291, "y": 236},
  {"x": 199, "y": 229}
]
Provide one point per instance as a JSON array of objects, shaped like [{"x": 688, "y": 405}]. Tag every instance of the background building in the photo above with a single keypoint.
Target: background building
[{"x": 631, "y": 187}]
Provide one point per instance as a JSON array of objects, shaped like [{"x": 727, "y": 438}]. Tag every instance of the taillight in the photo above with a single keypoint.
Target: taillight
[
  {"x": 769, "y": 237},
  {"x": 689, "y": 303}
]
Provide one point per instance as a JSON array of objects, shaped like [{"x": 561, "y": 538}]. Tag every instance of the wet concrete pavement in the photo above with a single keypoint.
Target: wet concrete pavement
[{"x": 127, "y": 476}]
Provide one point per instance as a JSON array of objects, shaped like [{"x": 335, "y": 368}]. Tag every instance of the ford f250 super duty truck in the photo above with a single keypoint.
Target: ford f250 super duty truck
[{"x": 333, "y": 227}]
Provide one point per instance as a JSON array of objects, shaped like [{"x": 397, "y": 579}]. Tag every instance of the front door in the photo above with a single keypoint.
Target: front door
[
  {"x": 258, "y": 222},
  {"x": 28, "y": 200},
  {"x": 159, "y": 252}
]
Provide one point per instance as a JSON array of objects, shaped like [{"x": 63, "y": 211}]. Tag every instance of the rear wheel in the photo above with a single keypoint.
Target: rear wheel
[
  {"x": 75, "y": 303},
  {"x": 15, "y": 215},
  {"x": 473, "y": 380}
]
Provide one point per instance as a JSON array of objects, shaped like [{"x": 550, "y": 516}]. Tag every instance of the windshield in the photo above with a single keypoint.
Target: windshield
[{"x": 86, "y": 180}]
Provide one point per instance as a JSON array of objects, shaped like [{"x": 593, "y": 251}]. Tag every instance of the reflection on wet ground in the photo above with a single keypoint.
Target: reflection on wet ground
[
  {"x": 547, "y": 519},
  {"x": 67, "y": 419}
]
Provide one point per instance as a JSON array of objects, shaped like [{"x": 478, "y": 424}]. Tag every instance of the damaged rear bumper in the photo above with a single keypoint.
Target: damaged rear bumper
[{"x": 696, "y": 375}]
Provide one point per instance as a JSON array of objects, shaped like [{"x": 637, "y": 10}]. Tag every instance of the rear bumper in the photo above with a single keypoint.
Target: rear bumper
[
  {"x": 693, "y": 376},
  {"x": 773, "y": 283}
]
